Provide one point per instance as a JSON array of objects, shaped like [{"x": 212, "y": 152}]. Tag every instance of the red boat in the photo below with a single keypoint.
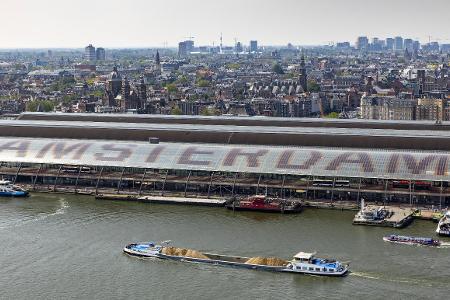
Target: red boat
[{"x": 266, "y": 204}]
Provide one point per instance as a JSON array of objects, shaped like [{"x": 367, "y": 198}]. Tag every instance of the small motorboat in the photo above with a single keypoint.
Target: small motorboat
[
  {"x": 411, "y": 240},
  {"x": 443, "y": 227},
  {"x": 302, "y": 263},
  {"x": 7, "y": 189}
]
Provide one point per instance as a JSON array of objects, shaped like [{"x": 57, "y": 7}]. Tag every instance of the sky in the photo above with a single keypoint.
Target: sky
[{"x": 151, "y": 23}]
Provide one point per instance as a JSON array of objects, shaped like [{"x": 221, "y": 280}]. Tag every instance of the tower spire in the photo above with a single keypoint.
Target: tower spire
[{"x": 302, "y": 78}]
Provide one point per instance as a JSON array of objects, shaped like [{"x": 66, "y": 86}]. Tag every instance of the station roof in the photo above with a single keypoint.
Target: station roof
[
  {"x": 236, "y": 120},
  {"x": 227, "y": 128},
  {"x": 313, "y": 161}
]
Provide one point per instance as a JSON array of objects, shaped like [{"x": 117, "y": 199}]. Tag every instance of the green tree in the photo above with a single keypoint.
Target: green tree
[
  {"x": 203, "y": 83},
  {"x": 278, "y": 69},
  {"x": 98, "y": 93},
  {"x": 233, "y": 66},
  {"x": 332, "y": 115},
  {"x": 44, "y": 105},
  {"x": 313, "y": 86},
  {"x": 176, "y": 111},
  {"x": 171, "y": 88},
  {"x": 182, "y": 80}
]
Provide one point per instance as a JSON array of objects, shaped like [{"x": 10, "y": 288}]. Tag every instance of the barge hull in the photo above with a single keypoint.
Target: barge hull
[
  {"x": 286, "y": 211},
  {"x": 231, "y": 264}
]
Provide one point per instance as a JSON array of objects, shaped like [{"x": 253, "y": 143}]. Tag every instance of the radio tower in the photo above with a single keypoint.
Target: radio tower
[{"x": 221, "y": 42}]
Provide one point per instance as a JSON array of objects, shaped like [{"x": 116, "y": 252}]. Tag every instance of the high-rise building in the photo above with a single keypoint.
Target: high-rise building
[
  {"x": 100, "y": 54},
  {"x": 89, "y": 53},
  {"x": 398, "y": 44},
  {"x": 362, "y": 43},
  {"x": 408, "y": 45},
  {"x": 253, "y": 46},
  {"x": 185, "y": 48},
  {"x": 189, "y": 46},
  {"x": 343, "y": 45},
  {"x": 390, "y": 44},
  {"x": 182, "y": 49},
  {"x": 238, "y": 47},
  {"x": 376, "y": 45}
]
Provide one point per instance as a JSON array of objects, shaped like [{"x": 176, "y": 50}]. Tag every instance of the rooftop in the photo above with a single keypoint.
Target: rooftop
[{"x": 301, "y": 161}]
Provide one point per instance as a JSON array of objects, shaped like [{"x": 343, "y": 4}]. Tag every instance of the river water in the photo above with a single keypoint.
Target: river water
[{"x": 70, "y": 247}]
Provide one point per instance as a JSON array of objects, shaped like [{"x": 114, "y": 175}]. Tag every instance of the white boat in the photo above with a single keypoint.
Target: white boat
[
  {"x": 443, "y": 227},
  {"x": 370, "y": 214},
  {"x": 7, "y": 189},
  {"x": 302, "y": 263}
]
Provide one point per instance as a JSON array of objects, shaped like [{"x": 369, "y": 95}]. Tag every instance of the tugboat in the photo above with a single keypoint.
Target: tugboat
[
  {"x": 411, "y": 240},
  {"x": 302, "y": 263},
  {"x": 7, "y": 189},
  {"x": 443, "y": 227},
  {"x": 265, "y": 204}
]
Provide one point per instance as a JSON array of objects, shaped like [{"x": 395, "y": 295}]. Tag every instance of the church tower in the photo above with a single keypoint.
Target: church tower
[
  {"x": 158, "y": 62},
  {"x": 142, "y": 88},
  {"x": 302, "y": 78},
  {"x": 126, "y": 89},
  {"x": 114, "y": 82}
]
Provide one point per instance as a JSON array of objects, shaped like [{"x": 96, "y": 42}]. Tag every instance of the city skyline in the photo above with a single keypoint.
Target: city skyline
[{"x": 52, "y": 24}]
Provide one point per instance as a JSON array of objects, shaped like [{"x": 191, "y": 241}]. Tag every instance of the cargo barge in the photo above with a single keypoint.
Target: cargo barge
[{"x": 302, "y": 263}]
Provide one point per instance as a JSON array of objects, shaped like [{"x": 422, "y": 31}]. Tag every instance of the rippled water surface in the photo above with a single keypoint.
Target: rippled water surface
[{"x": 58, "y": 246}]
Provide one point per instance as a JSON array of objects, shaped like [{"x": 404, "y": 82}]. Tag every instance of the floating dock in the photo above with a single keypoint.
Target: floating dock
[
  {"x": 164, "y": 200},
  {"x": 397, "y": 217}
]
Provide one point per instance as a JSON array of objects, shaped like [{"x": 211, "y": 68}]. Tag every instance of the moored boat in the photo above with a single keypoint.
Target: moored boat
[
  {"x": 443, "y": 227},
  {"x": 302, "y": 263},
  {"x": 266, "y": 204},
  {"x": 7, "y": 189},
  {"x": 411, "y": 240}
]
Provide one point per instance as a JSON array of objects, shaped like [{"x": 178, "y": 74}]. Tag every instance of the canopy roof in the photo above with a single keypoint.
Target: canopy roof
[{"x": 320, "y": 162}]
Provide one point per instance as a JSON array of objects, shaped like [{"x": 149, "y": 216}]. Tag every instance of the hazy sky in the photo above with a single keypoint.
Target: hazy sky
[{"x": 145, "y": 23}]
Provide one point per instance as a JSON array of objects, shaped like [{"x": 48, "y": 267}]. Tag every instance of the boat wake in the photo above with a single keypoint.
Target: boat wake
[
  {"x": 380, "y": 277},
  {"x": 63, "y": 205},
  {"x": 444, "y": 245}
]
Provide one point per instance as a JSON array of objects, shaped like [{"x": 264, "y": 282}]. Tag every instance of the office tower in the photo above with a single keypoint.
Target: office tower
[
  {"x": 362, "y": 43},
  {"x": 254, "y": 46},
  {"x": 185, "y": 48},
  {"x": 416, "y": 46},
  {"x": 390, "y": 44},
  {"x": 182, "y": 49},
  {"x": 238, "y": 48},
  {"x": 100, "y": 54},
  {"x": 408, "y": 45},
  {"x": 398, "y": 45},
  {"x": 89, "y": 53},
  {"x": 189, "y": 46}
]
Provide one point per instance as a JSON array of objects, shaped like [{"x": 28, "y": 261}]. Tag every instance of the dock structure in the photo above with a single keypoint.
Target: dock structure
[
  {"x": 397, "y": 217},
  {"x": 164, "y": 199}
]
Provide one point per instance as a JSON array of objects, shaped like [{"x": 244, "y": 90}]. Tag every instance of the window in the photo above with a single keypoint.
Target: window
[
  {"x": 311, "y": 269},
  {"x": 317, "y": 269}
]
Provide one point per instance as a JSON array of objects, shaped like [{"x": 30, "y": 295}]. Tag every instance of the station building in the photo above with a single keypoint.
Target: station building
[{"x": 113, "y": 155}]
